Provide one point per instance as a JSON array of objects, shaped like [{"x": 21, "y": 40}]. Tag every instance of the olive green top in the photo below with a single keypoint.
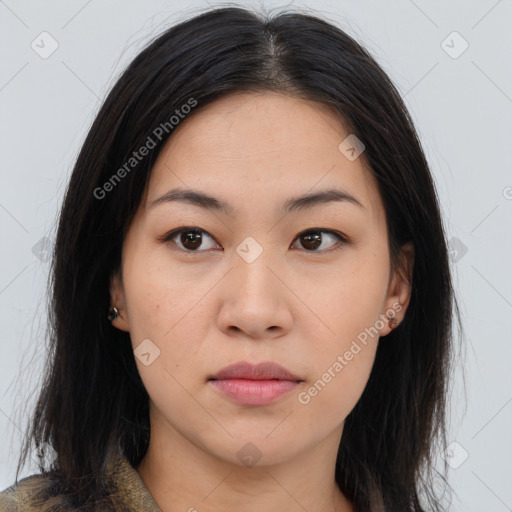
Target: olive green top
[{"x": 126, "y": 489}]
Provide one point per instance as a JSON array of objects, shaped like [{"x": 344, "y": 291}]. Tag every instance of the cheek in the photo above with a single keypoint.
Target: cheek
[
  {"x": 350, "y": 297},
  {"x": 162, "y": 298},
  {"x": 339, "y": 382},
  {"x": 349, "y": 304},
  {"x": 168, "y": 308}
]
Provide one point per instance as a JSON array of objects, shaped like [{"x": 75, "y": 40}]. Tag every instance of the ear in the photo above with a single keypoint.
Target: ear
[
  {"x": 117, "y": 299},
  {"x": 399, "y": 289}
]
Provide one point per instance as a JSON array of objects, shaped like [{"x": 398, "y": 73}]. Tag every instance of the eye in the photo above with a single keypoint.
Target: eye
[
  {"x": 312, "y": 239},
  {"x": 189, "y": 238}
]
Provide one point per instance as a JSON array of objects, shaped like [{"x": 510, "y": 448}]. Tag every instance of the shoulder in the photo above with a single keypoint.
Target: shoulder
[
  {"x": 40, "y": 493},
  {"x": 26, "y": 495},
  {"x": 124, "y": 491}
]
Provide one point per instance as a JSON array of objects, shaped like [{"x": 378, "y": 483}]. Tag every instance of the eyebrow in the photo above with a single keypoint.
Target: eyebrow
[{"x": 207, "y": 202}]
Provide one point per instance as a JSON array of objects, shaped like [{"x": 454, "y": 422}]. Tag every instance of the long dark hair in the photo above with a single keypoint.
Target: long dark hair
[{"x": 93, "y": 402}]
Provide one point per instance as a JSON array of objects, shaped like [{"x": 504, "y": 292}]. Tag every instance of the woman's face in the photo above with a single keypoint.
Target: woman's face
[{"x": 264, "y": 278}]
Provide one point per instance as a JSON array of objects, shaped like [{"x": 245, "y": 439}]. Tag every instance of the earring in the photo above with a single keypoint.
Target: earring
[
  {"x": 393, "y": 322},
  {"x": 113, "y": 314}
]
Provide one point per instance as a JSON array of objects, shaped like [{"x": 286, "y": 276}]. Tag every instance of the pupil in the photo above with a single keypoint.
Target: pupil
[
  {"x": 191, "y": 239},
  {"x": 313, "y": 239}
]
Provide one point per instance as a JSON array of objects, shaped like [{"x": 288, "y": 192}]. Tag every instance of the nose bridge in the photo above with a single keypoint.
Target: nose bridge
[
  {"x": 254, "y": 299},
  {"x": 255, "y": 269}
]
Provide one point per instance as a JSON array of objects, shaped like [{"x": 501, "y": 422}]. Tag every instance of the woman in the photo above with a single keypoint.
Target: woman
[{"x": 251, "y": 294}]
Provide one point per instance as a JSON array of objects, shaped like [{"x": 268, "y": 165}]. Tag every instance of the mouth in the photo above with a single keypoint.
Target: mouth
[{"x": 255, "y": 385}]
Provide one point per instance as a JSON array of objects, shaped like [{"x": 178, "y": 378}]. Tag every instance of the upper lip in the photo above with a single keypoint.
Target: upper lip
[{"x": 263, "y": 371}]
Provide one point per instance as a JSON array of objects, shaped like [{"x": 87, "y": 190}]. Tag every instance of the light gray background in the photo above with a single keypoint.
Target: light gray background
[{"x": 463, "y": 111}]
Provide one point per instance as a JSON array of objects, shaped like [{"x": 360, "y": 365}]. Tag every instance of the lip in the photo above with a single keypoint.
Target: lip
[
  {"x": 260, "y": 384},
  {"x": 266, "y": 370}
]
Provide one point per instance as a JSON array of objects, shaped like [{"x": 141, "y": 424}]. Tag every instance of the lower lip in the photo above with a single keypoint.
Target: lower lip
[{"x": 254, "y": 392}]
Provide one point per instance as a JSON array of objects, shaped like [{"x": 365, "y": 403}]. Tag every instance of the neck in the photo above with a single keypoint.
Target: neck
[{"x": 183, "y": 477}]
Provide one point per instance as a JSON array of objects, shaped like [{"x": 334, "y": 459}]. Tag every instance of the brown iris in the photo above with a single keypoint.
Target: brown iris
[{"x": 191, "y": 239}]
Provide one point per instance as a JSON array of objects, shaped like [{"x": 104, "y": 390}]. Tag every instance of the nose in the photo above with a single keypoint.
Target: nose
[{"x": 255, "y": 300}]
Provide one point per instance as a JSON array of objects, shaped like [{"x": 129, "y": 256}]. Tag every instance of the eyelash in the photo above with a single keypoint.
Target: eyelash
[{"x": 175, "y": 232}]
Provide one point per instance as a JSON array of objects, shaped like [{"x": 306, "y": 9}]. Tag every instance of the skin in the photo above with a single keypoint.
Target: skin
[{"x": 296, "y": 304}]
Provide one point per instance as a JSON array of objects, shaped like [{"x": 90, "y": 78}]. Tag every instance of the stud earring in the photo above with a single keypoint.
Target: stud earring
[
  {"x": 393, "y": 322},
  {"x": 113, "y": 314}
]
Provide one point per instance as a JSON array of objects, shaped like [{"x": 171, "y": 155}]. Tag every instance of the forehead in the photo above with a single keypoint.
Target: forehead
[
  {"x": 241, "y": 124},
  {"x": 266, "y": 145}
]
